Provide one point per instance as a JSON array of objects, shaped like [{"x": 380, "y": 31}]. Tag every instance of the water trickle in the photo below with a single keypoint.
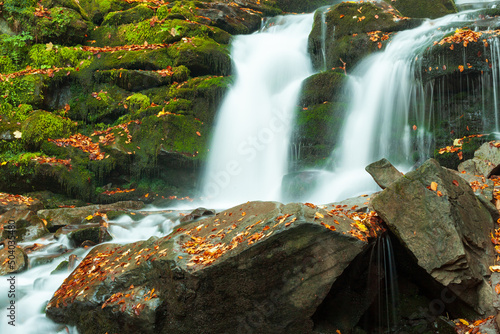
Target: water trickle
[
  {"x": 383, "y": 288},
  {"x": 249, "y": 150}
]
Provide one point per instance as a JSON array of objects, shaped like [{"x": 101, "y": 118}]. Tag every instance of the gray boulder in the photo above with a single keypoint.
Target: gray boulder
[{"x": 443, "y": 225}]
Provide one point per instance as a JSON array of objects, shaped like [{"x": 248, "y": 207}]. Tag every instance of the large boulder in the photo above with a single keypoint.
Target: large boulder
[
  {"x": 27, "y": 224},
  {"x": 443, "y": 225},
  {"x": 13, "y": 259},
  {"x": 261, "y": 267}
]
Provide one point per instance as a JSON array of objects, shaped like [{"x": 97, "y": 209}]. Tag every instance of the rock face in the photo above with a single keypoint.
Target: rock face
[
  {"x": 57, "y": 218},
  {"x": 383, "y": 172},
  {"x": 442, "y": 224},
  {"x": 13, "y": 260},
  {"x": 424, "y": 8},
  {"x": 259, "y": 267}
]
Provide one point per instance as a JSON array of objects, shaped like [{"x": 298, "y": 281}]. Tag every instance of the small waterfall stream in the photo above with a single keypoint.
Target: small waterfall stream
[
  {"x": 249, "y": 150},
  {"x": 389, "y": 114}
]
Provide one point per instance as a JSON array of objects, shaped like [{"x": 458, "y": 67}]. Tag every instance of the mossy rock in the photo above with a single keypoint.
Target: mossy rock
[
  {"x": 322, "y": 87},
  {"x": 105, "y": 103},
  {"x": 65, "y": 26},
  {"x": 448, "y": 59},
  {"x": 424, "y": 8},
  {"x": 133, "y": 15},
  {"x": 230, "y": 18},
  {"x": 347, "y": 24},
  {"x": 133, "y": 80},
  {"x": 158, "y": 32},
  {"x": 301, "y": 6},
  {"x": 41, "y": 125},
  {"x": 97, "y": 9},
  {"x": 203, "y": 57}
]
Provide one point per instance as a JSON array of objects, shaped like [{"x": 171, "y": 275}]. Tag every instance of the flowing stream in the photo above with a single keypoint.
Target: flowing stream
[
  {"x": 249, "y": 150},
  {"x": 389, "y": 115}
]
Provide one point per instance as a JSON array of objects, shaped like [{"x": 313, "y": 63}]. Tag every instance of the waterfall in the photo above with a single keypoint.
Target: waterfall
[
  {"x": 249, "y": 150},
  {"x": 388, "y": 115}
]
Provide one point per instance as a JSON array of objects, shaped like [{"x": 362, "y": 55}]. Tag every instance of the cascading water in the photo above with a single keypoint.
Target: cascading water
[
  {"x": 388, "y": 116},
  {"x": 248, "y": 155},
  {"x": 35, "y": 287}
]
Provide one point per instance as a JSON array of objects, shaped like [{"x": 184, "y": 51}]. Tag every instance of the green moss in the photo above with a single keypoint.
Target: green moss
[
  {"x": 41, "y": 125},
  {"x": 46, "y": 56},
  {"x": 133, "y": 15},
  {"x": 424, "y": 8},
  {"x": 15, "y": 48}
]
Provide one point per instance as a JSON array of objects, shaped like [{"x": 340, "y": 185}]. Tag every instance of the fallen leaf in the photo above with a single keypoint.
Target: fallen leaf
[{"x": 434, "y": 186}]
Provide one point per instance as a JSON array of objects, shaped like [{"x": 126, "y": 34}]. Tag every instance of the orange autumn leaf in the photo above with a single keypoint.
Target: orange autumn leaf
[
  {"x": 461, "y": 68},
  {"x": 434, "y": 186},
  {"x": 497, "y": 289}
]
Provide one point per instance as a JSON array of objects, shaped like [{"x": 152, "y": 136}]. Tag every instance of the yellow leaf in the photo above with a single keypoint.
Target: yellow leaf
[
  {"x": 4, "y": 163},
  {"x": 465, "y": 322},
  {"x": 318, "y": 215},
  {"x": 434, "y": 186},
  {"x": 89, "y": 217}
]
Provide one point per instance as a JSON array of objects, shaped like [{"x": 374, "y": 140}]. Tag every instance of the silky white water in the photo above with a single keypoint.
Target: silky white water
[{"x": 249, "y": 150}]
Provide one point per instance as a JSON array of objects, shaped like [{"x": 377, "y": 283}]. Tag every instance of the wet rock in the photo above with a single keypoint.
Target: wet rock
[
  {"x": 485, "y": 161},
  {"x": 13, "y": 259},
  {"x": 443, "y": 225},
  {"x": 383, "y": 172},
  {"x": 424, "y": 8},
  {"x": 260, "y": 265},
  {"x": 57, "y": 218},
  {"x": 347, "y": 25},
  {"x": 24, "y": 224},
  {"x": 197, "y": 213}
]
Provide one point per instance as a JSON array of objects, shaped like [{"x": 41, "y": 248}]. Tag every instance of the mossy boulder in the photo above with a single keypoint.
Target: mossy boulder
[
  {"x": 18, "y": 264},
  {"x": 133, "y": 15},
  {"x": 133, "y": 80},
  {"x": 347, "y": 29},
  {"x": 320, "y": 117},
  {"x": 322, "y": 87},
  {"x": 301, "y": 6},
  {"x": 50, "y": 55},
  {"x": 424, "y": 8},
  {"x": 42, "y": 125}
]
